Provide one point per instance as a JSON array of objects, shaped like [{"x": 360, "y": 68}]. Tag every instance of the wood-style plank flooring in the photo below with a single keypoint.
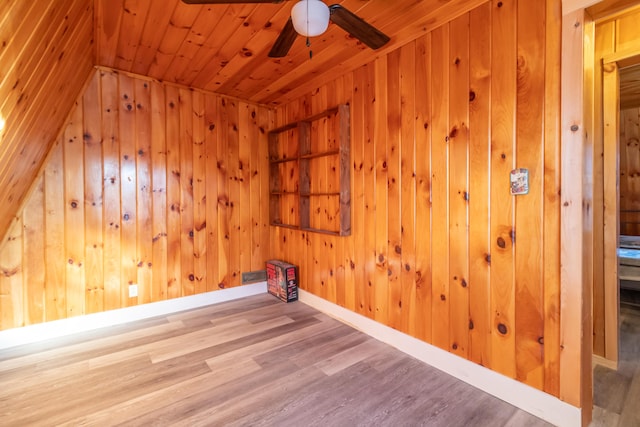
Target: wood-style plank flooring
[
  {"x": 616, "y": 394},
  {"x": 255, "y": 361}
]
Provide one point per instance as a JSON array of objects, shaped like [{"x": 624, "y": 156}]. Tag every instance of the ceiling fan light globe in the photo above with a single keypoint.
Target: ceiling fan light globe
[{"x": 310, "y": 17}]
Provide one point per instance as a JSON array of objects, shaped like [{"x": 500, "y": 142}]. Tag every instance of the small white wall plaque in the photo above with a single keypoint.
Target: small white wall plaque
[{"x": 519, "y": 181}]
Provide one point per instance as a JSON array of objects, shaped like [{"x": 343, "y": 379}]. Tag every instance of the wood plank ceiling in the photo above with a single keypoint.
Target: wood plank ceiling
[
  {"x": 223, "y": 48},
  {"x": 46, "y": 56},
  {"x": 630, "y": 87}
]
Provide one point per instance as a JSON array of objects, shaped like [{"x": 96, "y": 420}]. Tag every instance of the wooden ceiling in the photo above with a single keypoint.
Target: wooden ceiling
[
  {"x": 223, "y": 48},
  {"x": 630, "y": 87},
  {"x": 46, "y": 55}
]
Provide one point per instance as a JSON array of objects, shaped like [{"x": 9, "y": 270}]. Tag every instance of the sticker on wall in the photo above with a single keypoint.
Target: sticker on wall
[{"x": 519, "y": 181}]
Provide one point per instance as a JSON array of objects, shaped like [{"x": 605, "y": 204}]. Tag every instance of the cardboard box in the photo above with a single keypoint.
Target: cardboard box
[{"x": 282, "y": 280}]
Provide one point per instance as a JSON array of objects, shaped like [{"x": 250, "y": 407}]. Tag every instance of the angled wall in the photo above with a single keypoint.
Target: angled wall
[
  {"x": 46, "y": 56},
  {"x": 147, "y": 184}
]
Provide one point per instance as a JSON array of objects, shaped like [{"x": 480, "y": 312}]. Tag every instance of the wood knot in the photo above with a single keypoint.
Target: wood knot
[
  {"x": 502, "y": 328},
  {"x": 192, "y": 278},
  {"x": 501, "y": 243}
]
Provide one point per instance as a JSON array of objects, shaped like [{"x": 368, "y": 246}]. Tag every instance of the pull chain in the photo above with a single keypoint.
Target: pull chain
[{"x": 308, "y": 40}]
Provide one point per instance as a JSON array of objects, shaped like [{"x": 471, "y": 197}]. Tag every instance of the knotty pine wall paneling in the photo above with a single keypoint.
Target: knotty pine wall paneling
[
  {"x": 617, "y": 35},
  {"x": 148, "y": 184},
  {"x": 630, "y": 172},
  {"x": 441, "y": 249},
  {"x": 45, "y": 60}
]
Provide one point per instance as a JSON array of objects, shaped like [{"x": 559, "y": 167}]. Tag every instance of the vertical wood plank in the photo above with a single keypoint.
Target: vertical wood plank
[
  {"x": 187, "y": 262},
  {"x": 74, "y": 214},
  {"x": 423, "y": 317},
  {"x": 551, "y": 227},
  {"x": 199, "y": 194},
  {"x": 158, "y": 192},
  {"x": 111, "y": 190},
  {"x": 529, "y": 323},
  {"x": 459, "y": 185},
  {"x": 245, "y": 147},
  {"x": 358, "y": 190},
  {"x": 370, "y": 171},
  {"x": 144, "y": 204},
  {"x": 33, "y": 251},
  {"x": 440, "y": 187},
  {"x": 255, "y": 173},
  {"x": 381, "y": 275},
  {"x": 611, "y": 150},
  {"x": 479, "y": 173},
  {"x": 223, "y": 195},
  {"x": 503, "y": 104},
  {"x": 346, "y": 203},
  {"x": 55, "y": 270},
  {"x": 408, "y": 197},
  {"x": 128, "y": 189},
  {"x": 571, "y": 314},
  {"x": 174, "y": 231},
  {"x": 604, "y": 44},
  {"x": 211, "y": 188},
  {"x": 11, "y": 280},
  {"x": 394, "y": 190},
  {"x": 93, "y": 193},
  {"x": 235, "y": 188}
]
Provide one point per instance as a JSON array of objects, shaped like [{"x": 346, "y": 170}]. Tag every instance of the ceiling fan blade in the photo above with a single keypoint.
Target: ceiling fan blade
[
  {"x": 284, "y": 42},
  {"x": 229, "y": 1},
  {"x": 357, "y": 27}
]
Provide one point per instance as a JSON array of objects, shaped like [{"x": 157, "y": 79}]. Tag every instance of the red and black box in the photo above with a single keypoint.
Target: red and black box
[{"x": 282, "y": 280}]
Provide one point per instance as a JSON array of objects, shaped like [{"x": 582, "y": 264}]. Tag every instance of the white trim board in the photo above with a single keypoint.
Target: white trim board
[
  {"x": 529, "y": 399},
  {"x": 59, "y": 328}
]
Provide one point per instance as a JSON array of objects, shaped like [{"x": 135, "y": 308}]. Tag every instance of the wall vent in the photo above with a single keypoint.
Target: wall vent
[{"x": 254, "y": 276}]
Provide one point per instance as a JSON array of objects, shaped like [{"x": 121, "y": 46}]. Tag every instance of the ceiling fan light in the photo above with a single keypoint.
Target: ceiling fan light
[{"x": 310, "y": 17}]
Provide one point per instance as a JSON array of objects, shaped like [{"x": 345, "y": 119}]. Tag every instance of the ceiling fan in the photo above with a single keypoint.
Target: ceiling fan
[{"x": 310, "y": 18}]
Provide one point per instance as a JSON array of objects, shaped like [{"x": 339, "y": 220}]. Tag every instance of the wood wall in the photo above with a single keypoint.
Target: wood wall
[
  {"x": 147, "y": 184},
  {"x": 440, "y": 249},
  {"x": 46, "y": 56},
  {"x": 616, "y": 38},
  {"x": 630, "y": 172}
]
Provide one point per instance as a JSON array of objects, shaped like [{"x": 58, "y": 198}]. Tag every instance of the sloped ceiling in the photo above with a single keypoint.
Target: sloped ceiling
[
  {"x": 46, "y": 55},
  {"x": 224, "y": 48}
]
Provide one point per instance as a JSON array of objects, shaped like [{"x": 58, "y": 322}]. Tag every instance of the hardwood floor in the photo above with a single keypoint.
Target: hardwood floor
[
  {"x": 255, "y": 361},
  {"x": 617, "y": 393}
]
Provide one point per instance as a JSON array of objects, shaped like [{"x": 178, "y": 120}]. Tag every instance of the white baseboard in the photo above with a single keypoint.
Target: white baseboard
[
  {"x": 529, "y": 399},
  {"x": 58, "y": 328}
]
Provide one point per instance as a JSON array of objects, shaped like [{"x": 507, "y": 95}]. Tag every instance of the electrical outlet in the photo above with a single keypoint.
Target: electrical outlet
[{"x": 133, "y": 291}]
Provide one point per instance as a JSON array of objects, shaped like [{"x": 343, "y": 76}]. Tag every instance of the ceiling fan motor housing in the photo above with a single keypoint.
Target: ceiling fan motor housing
[{"x": 310, "y": 17}]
